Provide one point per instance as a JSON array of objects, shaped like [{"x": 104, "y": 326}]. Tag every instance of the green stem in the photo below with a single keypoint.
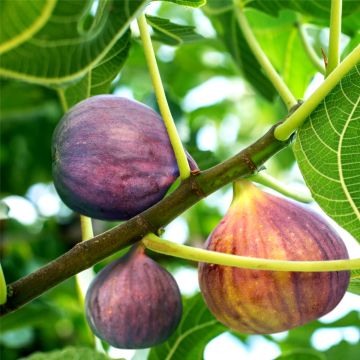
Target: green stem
[
  {"x": 284, "y": 130},
  {"x": 335, "y": 36},
  {"x": 272, "y": 183},
  {"x": 313, "y": 57},
  {"x": 166, "y": 247},
  {"x": 3, "y": 288},
  {"x": 86, "y": 228},
  {"x": 261, "y": 57},
  {"x": 175, "y": 140}
]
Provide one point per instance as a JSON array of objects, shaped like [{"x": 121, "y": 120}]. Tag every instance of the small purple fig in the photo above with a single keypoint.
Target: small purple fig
[
  {"x": 261, "y": 225},
  {"x": 112, "y": 158},
  {"x": 133, "y": 303}
]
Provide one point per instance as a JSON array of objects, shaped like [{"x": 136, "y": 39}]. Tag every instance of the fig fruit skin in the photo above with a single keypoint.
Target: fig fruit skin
[
  {"x": 133, "y": 303},
  {"x": 112, "y": 158},
  {"x": 261, "y": 225}
]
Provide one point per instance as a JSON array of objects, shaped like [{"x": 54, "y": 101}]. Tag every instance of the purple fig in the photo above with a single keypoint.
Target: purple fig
[
  {"x": 112, "y": 158},
  {"x": 261, "y": 225},
  {"x": 133, "y": 303}
]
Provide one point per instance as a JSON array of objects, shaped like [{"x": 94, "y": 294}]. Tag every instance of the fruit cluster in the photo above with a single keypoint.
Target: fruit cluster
[{"x": 112, "y": 160}]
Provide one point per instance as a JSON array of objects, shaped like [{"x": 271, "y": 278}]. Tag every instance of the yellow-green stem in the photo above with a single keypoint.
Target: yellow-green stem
[
  {"x": 335, "y": 36},
  {"x": 176, "y": 143},
  {"x": 313, "y": 57},
  {"x": 86, "y": 228},
  {"x": 284, "y": 130},
  {"x": 269, "y": 181},
  {"x": 153, "y": 242},
  {"x": 261, "y": 57},
  {"x": 3, "y": 289}
]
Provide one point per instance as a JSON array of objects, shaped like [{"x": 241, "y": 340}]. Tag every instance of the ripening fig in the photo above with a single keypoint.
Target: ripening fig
[
  {"x": 112, "y": 158},
  {"x": 133, "y": 303},
  {"x": 261, "y": 225}
]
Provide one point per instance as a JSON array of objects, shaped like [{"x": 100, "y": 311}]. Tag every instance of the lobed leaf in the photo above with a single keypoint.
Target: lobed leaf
[
  {"x": 280, "y": 40},
  {"x": 191, "y": 3},
  {"x": 99, "y": 79},
  {"x": 70, "y": 44},
  {"x": 20, "y": 20},
  {"x": 327, "y": 149},
  {"x": 224, "y": 20},
  {"x": 170, "y": 33},
  {"x": 316, "y": 8}
]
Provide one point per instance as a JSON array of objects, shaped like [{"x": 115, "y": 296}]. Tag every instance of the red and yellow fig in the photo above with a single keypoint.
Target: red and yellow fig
[
  {"x": 261, "y": 225},
  {"x": 133, "y": 303}
]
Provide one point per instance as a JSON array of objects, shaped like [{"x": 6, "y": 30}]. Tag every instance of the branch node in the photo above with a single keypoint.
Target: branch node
[
  {"x": 144, "y": 225},
  {"x": 246, "y": 158},
  {"x": 195, "y": 187}
]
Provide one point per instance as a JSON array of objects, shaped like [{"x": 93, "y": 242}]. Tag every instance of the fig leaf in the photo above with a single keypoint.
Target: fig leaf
[{"x": 327, "y": 149}]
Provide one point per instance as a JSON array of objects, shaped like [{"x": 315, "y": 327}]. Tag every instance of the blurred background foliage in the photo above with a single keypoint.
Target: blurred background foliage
[{"x": 221, "y": 102}]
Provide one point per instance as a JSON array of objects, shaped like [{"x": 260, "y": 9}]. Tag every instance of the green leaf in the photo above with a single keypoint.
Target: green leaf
[
  {"x": 191, "y": 3},
  {"x": 354, "y": 285},
  {"x": 67, "y": 47},
  {"x": 225, "y": 22},
  {"x": 20, "y": 20},
  {"x": 280, "y": 40},
  {"x": 99, "y": 79},
  {"x": 31, "y": 315},
  {"x": 316, "y": 8},
  {"x": 170, "y": 33},
  {"x": 301, "y": 354},
  {"x": 196, "y": 329},
  {"x": 343, "y": 350},
  {"x": 69, "y": 353},
  {"x": 22, "y": 101},
  {"x": 327, "y": 149}
]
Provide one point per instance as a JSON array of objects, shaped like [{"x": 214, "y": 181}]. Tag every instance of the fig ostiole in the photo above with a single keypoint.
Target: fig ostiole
[
  {"x": 262, "y": 225},
  {"x": 133, "y": 303},
  {"x": 112, "y": 158}
]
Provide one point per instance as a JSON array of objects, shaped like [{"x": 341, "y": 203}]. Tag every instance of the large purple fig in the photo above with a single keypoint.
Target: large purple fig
[
  {"x": 112, "y": 158},
  {"x": 133, "y": 303},
  {"x": 265, "y": 226}
]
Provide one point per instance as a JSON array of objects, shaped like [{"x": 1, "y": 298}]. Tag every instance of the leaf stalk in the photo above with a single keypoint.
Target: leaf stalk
[
  {"x": 262, "y": 58},
  {"x": 313, "y": 57},
  {"x": 272, "y": 183},
  {"x": 296, "y": 119},
  {"x": 175, "y": 140},
  {"x": 154, "y": 243}
]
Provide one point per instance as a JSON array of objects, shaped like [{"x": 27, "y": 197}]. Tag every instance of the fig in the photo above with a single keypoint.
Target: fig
[
  {"x": 262, "y": 225},
  {"x": 112, "y": 158},
  {"x": 133, "y": 303}
]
